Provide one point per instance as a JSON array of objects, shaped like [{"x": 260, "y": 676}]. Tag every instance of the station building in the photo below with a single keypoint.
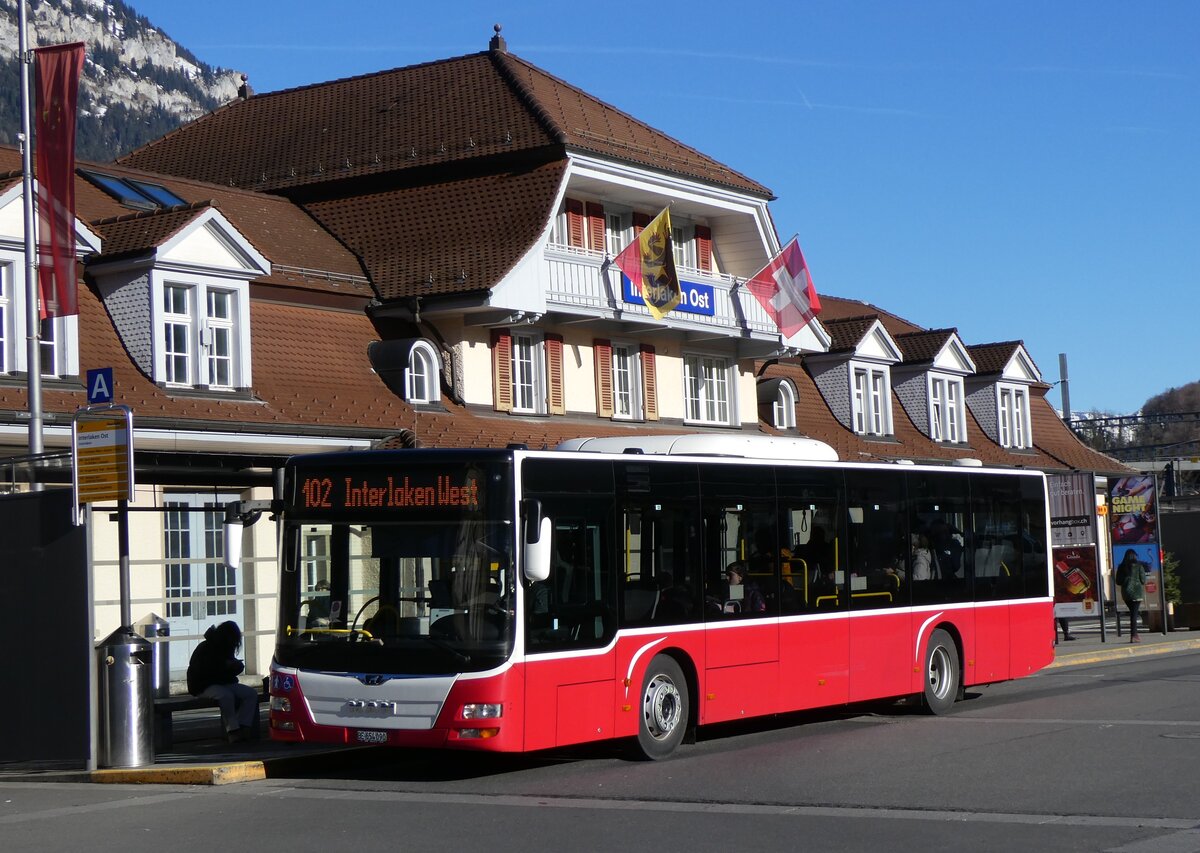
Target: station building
[{"x": 423, "y": 257}]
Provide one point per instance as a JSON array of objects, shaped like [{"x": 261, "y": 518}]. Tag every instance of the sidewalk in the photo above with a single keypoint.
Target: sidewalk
[
  {"x": 201, "y": 757},
  {"x": 1087, "y": 646}
]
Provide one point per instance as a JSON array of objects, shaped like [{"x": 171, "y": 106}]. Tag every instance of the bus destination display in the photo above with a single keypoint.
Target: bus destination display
[{"x": 389, "y": 492}]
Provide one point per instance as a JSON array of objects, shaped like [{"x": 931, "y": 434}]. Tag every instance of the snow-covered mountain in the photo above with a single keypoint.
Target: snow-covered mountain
[{"x": 137, "y": 83}]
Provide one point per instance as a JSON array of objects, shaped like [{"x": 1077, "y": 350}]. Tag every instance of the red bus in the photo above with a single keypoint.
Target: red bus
[{"x": 517, "y": 600}]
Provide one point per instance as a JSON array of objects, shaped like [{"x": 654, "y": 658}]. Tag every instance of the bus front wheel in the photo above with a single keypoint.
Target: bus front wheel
[
  {"x": 664, "y": 708},
  {"x": 941, "y": 672}
]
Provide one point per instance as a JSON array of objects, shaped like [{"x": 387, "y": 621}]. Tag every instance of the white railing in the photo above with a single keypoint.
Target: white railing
[{"x": 577, "y": 280}]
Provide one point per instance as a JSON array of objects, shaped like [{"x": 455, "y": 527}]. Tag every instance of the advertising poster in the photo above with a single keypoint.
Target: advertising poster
[
  {"x": 1148, "y": 555},
  {"x": 1075, "y": 582},
  {"x": 1072, "y": 509},
  {"x": 1132, "y": 510}
]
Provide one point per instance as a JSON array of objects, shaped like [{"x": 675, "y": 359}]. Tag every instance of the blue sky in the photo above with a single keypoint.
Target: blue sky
[{"x": 1026, "y": 169}]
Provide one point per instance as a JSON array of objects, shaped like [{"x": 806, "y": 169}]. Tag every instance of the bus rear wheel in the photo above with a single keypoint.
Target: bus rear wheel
[
  {"x": 941, "y": 672},
  {"x": 664, "y": 708}
]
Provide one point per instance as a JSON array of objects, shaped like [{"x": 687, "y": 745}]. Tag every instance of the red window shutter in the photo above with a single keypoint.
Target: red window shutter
[
  {"x": 640, "y": 221},
  {"x": 602, "y": 352},
  {"x": 595, "y": 224},
  {"x": 704, "y": 248},
  {"x": 502, "y": 387},
  {"x": 554, "y": 374},
  {"x": 575, "y": 223},
  {"x": 650, "y": 380}
]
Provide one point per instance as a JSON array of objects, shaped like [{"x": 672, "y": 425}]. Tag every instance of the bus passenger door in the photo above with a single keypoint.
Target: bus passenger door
[
  {"x": 878, "y": 575},
  {"x": 742, "y": 557},
  {"x": 570, "y": 686}
]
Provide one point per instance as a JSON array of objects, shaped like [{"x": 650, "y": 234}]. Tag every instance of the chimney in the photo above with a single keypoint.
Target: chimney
[
  {"x": 497, "y": 44},
  {"x": 244, "y": 90}
]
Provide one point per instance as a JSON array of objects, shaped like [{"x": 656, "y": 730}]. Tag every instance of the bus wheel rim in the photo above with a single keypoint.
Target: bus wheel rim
[
  {"x": 939, "y": 672},
  {"x": 661, "y": 707}
]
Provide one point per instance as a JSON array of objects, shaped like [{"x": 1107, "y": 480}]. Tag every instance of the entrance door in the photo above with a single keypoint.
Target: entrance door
[{"x": 201, "y": 590}]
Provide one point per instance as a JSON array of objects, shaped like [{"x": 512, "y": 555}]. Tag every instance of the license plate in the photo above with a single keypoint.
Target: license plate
[{"x": 367, "y": 736}]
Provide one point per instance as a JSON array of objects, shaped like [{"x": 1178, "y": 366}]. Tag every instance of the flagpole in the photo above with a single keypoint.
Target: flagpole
[{"x": 32, "y": 317}]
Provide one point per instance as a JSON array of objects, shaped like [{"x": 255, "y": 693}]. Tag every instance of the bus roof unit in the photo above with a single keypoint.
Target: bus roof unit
[{"x": 743, "y": 446}]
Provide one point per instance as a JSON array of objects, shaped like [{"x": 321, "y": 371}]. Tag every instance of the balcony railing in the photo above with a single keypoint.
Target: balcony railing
[{"x": 580, "y": 280}]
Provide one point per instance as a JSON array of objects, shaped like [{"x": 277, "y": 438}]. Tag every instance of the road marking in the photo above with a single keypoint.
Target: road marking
[
  {"x": 111, "y": 805},
  {"x": 1064, "y": 722},
  {"x": 741, "y": 809},
  {"x": 1176, "y": 842}
]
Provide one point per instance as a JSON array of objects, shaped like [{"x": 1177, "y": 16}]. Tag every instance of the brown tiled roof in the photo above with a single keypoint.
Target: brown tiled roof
[
  {"x": 992, "y": 358},
  {"x": 302, "y": 253},
  {"x": 452, "y": 236},
  {"x": 1055, "y": 447},
  {"x": 145, "y": 229},
  {"x": 847, "y": 333},
  {"x": 838, "y": 308},
  {"x": 921, "y": 347},
  {"x": 457, "y": 110},
  {"x": 589, "y": 124},
  {"x": 311, "y": 373}
]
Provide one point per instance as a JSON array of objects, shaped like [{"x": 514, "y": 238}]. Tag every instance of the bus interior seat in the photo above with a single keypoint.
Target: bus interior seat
[{"x": 640, "y": 603}]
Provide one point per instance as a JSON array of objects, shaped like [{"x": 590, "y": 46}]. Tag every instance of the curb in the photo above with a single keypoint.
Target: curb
[
  {"x": 184, "y": 774},
  {"x": 1127, "y": 650}
]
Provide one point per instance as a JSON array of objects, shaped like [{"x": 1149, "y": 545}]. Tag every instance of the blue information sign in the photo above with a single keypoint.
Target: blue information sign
[
  {"x": 100, "y": 386},
  {"x": 694, "y": 298}
]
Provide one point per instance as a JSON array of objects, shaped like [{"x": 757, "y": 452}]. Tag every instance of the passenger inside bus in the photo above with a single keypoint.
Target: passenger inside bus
[
  {"x": 742, "y": 593},
  {"x": 316, "y": 609}
]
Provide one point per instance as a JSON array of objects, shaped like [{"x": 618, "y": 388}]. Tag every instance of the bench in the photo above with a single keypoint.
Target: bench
[{"x": 164, "y": 708}]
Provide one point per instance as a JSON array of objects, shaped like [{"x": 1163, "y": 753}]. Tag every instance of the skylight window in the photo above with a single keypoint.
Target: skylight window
[{"x": 132, "y": 192}]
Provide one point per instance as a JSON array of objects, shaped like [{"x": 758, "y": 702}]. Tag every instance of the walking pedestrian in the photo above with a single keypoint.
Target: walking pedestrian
[{"x": 1131, "y": 578}]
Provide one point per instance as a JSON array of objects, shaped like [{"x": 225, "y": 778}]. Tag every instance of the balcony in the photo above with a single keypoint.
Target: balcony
[{"x": 579, "y": 283}]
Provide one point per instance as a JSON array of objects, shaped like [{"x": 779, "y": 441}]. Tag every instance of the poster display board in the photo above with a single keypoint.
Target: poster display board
[{"x": 1134, "y": 522}]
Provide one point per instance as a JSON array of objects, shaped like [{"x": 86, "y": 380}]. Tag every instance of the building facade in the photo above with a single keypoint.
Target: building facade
[{"x": 424, "y": 257}]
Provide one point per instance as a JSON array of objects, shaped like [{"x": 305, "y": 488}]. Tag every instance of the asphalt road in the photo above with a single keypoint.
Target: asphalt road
[{"x": 1091, "y": 758}]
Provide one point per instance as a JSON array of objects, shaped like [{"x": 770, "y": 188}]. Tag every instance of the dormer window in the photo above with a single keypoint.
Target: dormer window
[
  {"x": 1013, "y": 416},
  {"x": 947, "y": 418},
  {"x": 783, "y": 411},
  {"x": 202, "y": 335},
  {"x": 421, "y": 378},
  {"x": 871, "y": 400}
]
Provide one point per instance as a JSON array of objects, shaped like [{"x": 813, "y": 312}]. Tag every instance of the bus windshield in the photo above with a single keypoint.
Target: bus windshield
[{"x": 379, "y": 586}]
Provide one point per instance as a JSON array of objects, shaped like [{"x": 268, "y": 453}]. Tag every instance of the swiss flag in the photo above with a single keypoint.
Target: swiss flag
[{"x": 785, "y": 290}]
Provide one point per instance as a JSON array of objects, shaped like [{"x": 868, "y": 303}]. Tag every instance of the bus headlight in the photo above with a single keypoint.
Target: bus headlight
[
  {"x": 281, "y": 703},
  {"x": 472, "y": 734},
  {"x": 480, "y": 711}
]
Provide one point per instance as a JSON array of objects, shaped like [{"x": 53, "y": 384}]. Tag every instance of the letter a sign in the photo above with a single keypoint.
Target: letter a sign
[{"x": 100, "y": 386}]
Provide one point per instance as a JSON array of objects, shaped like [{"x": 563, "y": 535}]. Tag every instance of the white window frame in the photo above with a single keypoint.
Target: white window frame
[
  {"x": 870, "y": 399},
  {"x": 947, "y": 418},
  {"x": 1012, "y": 417},
  {"x": 421, "y": 378},
  {"x": 783, "y": 409},
  {"x": 205, "y": 332},
  {"x": 683, "y": 242},
  {"x": 7, "y": 304},
  {"x": 707, "y": 389},
  {"x": 616, "y": 230},
  {"x": 627, "y": 382},
  {"x": 63, "y": 349},
  {"x": 528, "y": 373}
]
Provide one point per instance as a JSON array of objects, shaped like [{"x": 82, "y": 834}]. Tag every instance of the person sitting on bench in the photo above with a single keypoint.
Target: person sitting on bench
[{"x": 213, "y": 672}]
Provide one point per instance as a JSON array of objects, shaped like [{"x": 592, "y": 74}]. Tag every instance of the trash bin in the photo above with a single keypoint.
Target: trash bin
[
  {"x": 126, "y": 706},
  {"x": 156, "y": 629}
]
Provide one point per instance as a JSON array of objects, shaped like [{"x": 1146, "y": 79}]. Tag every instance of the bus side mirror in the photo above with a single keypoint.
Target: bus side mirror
[{"x": 536, "y": 547}]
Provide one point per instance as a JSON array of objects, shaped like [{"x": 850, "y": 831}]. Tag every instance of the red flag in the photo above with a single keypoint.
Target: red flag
[
  {"x": 785, "y": 289},
  {"x": 57, "y": 74},
  {"x": 649, "y": 263}
]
